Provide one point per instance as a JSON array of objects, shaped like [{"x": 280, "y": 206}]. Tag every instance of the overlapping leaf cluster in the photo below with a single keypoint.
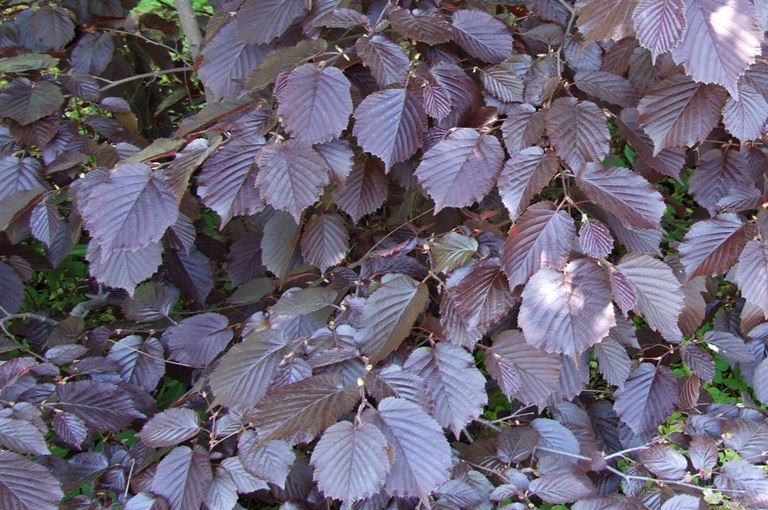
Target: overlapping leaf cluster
[{"x": 385, "y": 219}]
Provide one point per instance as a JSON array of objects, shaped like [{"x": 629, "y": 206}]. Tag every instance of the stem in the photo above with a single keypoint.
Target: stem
[
  {"x": 153, "y": 74},
  {"x": 189, "y": 26}
]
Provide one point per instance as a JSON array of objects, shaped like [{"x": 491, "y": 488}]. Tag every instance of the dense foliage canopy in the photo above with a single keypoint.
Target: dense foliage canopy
[{"x": 369, "y": 254}]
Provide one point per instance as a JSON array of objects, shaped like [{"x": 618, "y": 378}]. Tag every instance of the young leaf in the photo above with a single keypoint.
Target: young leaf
[{"x": 351, "y": 461}]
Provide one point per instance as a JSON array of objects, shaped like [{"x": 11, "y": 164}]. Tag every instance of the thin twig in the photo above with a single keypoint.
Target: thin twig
[{"x": 153, "y": 74}]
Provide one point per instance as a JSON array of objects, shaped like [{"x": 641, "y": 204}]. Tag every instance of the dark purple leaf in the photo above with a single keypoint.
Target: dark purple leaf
[
  {"x": 171, "y": 427},
  {"x": 713, "y": 246},
  {"x": 386, "y": 61},
  {"x": 578, "y": 131},
  {"x": 626, "y": 195},
  {"x": 680, "y": 111},
  {"x": 565, "y": 485},
  {"x": 183, "y": 477},
  {"x": 482, "y": 36},
  {"x": 660, "y": 24},
  {"x": 569, "y": 311},
  {"x": 22, "y": 437},
  {"x": 243, "y": 375},
  {"x": 25, "y": 101},
  {"x": 279, "y": 243},
  {"x": 291, "y": 176},
  {"x": 483, "y": 295},
  {"x": 401, "y": 136},
  {"x": 422, "y": 457},
  {"x": 458, "y": 388},
  {"x": 351, "y": 461},
  {"x": 647, "y": 397},
  {"x": 141, "y": 362},
  {"x": 364, "y": 191},
  {"x": 751, "y": 274},
  {"x": 197, "y": 340},
  {"x": 325, "y": 241},
  {"x": 664, "y": 462},
  {"x": 315, "y": 103},
  {"x": 25, "y": 485},
  {"x": 271, "y": 461},
  {"x": 609, "y": 87},
  {"x": 93, "y": 53},
  {"x": 190, "y": 272},
  {"x": 601, "y": 20},
  {"x": 261, "y": 21},
  {"x": 422, "y": 25},
  {"x": 718, "y": 48},
  {"x": 461, "y": 169},
  {"x": 102, "y": 406},
  {"x": 541, "y": 237},
  {"x": 522, "y": 371},
  {"x": 389, "y": 315}
]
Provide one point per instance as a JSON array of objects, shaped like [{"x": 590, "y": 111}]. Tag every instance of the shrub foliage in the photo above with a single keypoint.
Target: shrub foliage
[{"x": 372, "y": 254}]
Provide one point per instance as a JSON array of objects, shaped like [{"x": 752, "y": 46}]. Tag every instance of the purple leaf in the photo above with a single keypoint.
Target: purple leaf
[
  {"x": 123, "y": 269},
  {"x": 291, "y": 176},
  {"x": 578, "y": 131},
  {"x": 647, "y": 397},
  {"x": 481, "y": 35},
  {"x": 364, "y": 191},
  {"x": 25, "y": 485},
  {"x": 386, "y": 61},
  {"x": 351, "y": 461},
  {"x": 601, "y": 20},
  {"x": 751, "y": 274},
  {"x": 680, "y": 111},
  {"x": 595, "y": 239},
  {"x": 171, "y": 427},
  {"x": 401, "y": 136},
  {"x": 271, "y": 461},
  {"x": 389, "y": 315},
  {"x": 457, "y": 386},
  {"x": 315, "y": 103},
  {"x": 422, "y": 25},
  {"x": 623, "y": 193},
  {"x": 541, "y": 237},
  {"x": 183, "y": 477},
  {"x": 422, "y": 457},
  {"x": 102, "y": 406},
  {"x": 261, "y": 21},
  {"x": 197, "y": 340},
  {"x": 325, "y": 241},
  {"x": 660, "y": 25},
  {"x": 721, "y": 41},
  {"x": 483, "y": 295},
  {"x": 93, "y": 53},
  {"x": 567, "y": 312},
  {"x": 461, "y": 169},
  {"x": 712, "y": 246},
  {"x": 243, "y": 374},
  {"x": 25, "y": 101},
  {"x": 130, "y": 210}
]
